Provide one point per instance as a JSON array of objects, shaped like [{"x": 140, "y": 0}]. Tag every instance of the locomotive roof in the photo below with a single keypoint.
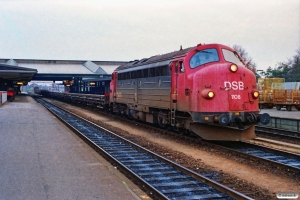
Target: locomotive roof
[{"x": 154, "y": 59}]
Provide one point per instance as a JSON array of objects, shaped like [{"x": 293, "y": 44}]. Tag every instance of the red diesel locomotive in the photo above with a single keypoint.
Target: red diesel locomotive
[{"x": 206, "y": 89}]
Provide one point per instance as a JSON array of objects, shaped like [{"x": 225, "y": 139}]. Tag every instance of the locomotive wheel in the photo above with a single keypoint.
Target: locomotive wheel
[
  {"x": 278, "y": 107},
  {"x": 289, "y": 108}
]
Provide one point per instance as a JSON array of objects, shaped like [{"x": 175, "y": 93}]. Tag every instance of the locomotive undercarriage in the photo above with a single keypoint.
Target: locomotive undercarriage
[
  {"x": 232, "y": 126},
  {"x": 240, "y": 120},
  {"x": 163, "y": 118},
  {"x": 209, "y": 126}
]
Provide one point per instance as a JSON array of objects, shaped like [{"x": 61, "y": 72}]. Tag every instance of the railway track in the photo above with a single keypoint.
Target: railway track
[
  {"x": 278, "y": 134},
  {"x": 283, "y": 159},
  {"x": 162, "y": 178}
]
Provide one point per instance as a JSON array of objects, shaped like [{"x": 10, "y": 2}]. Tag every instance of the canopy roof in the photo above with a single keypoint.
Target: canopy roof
[{"x": 15, "y": 73}]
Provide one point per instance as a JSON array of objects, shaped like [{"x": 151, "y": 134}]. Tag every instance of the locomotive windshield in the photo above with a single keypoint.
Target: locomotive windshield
[
  {"x": 203, "y": 57},
  {"x": 232, "y": 57}
]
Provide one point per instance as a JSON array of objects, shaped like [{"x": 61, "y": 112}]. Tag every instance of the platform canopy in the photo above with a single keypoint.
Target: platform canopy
[
  {"x": 60, "y": 70},
  {"x": 15, "y": 73}
]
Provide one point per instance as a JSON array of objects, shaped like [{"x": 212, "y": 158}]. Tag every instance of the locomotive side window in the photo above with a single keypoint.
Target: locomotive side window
[
  {"x": 133, "y": 74},
  {"x": 165, "y": 70},
  {"x": 139, "y": 74},
  {"x": 151, "y": 72},
  {"x": 162, "y": 71},
  {"x": 232, "y": 57},
  {"x": 128, "y": 75},
  {"x": 145, "y": 73},
  {"x": 203, "y": 57},
  {"x": 159, "y": 71}
]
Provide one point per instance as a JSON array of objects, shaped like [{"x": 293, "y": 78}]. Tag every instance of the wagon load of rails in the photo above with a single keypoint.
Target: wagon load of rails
[{"x": 273, "y": 92}]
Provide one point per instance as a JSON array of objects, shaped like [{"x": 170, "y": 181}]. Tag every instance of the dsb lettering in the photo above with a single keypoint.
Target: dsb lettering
[{"x": 234, "y": 85}]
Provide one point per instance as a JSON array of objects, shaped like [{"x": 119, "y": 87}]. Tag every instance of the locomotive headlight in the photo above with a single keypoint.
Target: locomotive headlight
[
  {"x": 211, "y": 94},
  {"x": 207, "y": 94},
  {"x": 233, "y": 67},
  {"x": 255, "y": 94}
]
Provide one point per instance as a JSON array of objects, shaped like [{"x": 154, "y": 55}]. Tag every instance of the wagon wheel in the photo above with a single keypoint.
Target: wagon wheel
[
  {"x": 278, "y": 107},
  {"x": 289, "y": 108}
]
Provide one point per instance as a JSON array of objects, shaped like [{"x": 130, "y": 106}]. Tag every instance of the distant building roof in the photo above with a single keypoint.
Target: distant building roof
[
  {"x": 56, "y": 68},
  {"x": 66, "y": 66},
  {"x": 64, "y": 69}
]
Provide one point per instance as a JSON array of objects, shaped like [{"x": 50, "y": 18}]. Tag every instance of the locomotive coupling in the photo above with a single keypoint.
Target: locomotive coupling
[
  {"x": 224, "y": 119},
  {"x": 240, "y": 120}
]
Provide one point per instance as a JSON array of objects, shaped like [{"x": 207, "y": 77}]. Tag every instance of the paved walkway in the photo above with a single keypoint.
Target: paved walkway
[{"x": 40, "y": 158}]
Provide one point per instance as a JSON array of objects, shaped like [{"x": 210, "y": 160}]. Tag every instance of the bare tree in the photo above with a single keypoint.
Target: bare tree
[
  {"x": 294, "y": 67},
  {"x": 247, "y": 59}
]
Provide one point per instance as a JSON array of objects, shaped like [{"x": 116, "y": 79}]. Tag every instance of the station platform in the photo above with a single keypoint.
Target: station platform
[{"x": 40, "y": 158}]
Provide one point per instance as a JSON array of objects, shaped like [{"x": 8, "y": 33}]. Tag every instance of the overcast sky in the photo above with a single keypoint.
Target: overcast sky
[{"x": 124, "y": 30}]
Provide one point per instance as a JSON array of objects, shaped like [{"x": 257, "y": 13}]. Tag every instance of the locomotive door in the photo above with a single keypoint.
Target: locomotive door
[
  {"x": 173, "y": 91},
  {"x": 183, "y": 90},
  {"x": 235, "y": 92},
  {"x": 113, "y": 85}
]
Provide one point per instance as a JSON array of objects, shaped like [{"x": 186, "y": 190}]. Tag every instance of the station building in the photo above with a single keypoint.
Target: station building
[{"x": 78, "y": 76}]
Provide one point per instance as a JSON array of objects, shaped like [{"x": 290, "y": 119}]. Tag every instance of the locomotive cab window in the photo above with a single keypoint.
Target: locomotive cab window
[
  {"x": 232, "y": 57},
  {"x": 203, "y": 57},
  {"x": 181, "y": 67}
]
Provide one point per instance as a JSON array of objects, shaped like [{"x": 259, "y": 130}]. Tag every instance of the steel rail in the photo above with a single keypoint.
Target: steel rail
[
  {"x": 195, "y": 178},
  {"x": 283, "y": 159},
  {"x": 276, "y": 132}
]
